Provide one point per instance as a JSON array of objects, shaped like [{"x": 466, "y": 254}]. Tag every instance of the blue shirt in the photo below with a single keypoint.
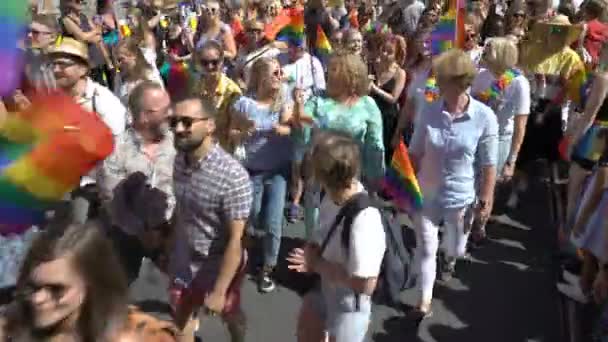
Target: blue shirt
[
  {"x": 265, "y": 149},
  {"x": 447, "y": 150}
]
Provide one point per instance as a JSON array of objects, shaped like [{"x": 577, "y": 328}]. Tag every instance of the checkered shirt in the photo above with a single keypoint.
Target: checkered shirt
[{"x": 209, "y": 194}]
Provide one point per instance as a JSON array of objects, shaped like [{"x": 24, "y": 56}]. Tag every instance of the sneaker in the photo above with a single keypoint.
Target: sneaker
[
  {"x": 573, "y": 292},
  {"x": 571, "y": 278},
  {"x": 266, "y": 284}
]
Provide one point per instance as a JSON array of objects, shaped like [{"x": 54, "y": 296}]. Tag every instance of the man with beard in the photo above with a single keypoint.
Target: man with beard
[
  {"x": 213, "y": 201},
  {"x": 136, "y": 181},
  {"x": 69, "y": 60}
]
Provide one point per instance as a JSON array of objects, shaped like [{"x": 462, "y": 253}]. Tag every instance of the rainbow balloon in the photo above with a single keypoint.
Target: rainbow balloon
[
  {"x": 44, "y": 152},
  {"x": 12, "y": 29},
  {"x": 400, "y": 181}
]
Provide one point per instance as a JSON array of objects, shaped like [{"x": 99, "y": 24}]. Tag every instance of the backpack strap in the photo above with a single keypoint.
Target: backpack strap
[{"x": 347, "y": 213}]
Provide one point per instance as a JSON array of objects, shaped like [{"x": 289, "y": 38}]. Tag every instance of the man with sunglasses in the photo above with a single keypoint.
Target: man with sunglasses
[
  {"x": 255, "y": 48},
  {"x": 213, "y": 200},
  {"x": 70, "y": 65},
  {"x": 216, "y": 87}
]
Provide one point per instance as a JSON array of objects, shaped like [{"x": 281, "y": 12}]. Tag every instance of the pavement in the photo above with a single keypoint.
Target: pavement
[{"x": 504, "y": 294}]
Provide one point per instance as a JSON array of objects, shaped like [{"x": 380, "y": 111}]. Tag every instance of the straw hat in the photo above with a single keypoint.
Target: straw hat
[
  {"x": 559, "y": 25},
  {"x": 70, "y": 47}
]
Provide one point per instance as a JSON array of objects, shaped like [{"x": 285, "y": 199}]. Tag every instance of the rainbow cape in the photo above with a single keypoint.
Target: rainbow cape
[
  {"x": 12, "y": 26},
  {"x": 293, "y": 32},
  {"x": 44, "y": 152},
  {"x": 322, "y": 45},
  {"x": 449, "y": 31},
  {"x": 400, "y": 181}
]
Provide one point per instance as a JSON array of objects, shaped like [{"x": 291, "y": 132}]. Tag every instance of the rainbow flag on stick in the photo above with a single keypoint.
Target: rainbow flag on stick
[
  {"x": 293, "y": 32},
  {"x": 179, "y": 79},
  {"x": 449, "y": 31},
  {"x": 12, "y": 26},
  {"x": 400, "y": 181},
  {"x": 322, "y": 45},
  {"x": 44, "y": 152}
]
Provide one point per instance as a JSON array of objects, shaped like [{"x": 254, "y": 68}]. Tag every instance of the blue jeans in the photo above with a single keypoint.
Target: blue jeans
[{"x": 269, "y": 193}]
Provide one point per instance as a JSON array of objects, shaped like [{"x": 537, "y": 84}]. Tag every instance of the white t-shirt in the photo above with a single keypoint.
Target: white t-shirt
[
  {"x": 306, "y": 73},
  {"x": 515, "y": 100},
  {"x": 415, "y": 92},
  {"x": 367, "y": 239}
]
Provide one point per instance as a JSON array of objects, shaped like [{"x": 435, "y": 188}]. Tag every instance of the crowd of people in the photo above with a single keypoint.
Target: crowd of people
[{"x": 223, "y": 132}]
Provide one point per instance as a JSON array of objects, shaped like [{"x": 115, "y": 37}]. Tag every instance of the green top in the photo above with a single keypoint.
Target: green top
[{"x": 362, "y": 121}]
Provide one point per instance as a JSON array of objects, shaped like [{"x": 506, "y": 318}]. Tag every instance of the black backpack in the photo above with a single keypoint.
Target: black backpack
[{"x": 395, "y": 271}]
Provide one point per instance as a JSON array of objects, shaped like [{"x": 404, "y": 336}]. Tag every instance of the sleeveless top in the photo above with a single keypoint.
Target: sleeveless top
[{"x": 95, "y": 54}]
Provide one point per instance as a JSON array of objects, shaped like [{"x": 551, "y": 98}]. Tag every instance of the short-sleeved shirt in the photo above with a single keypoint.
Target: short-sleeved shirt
[
  {"x": 209, "y": 195},
  {"x": 265, "y": 149},
  {"x": 362, "y": 121},
  {"x": 448, "y": 150},
  {"x": 515, "y": 99},
  {"x": 367, "y": 239}
]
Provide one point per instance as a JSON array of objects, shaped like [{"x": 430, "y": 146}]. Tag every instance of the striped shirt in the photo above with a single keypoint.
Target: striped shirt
[{"x": 209, "y": 194}]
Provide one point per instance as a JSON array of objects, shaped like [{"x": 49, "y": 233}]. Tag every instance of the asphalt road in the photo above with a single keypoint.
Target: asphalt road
[{"x": 505, "y": 294}]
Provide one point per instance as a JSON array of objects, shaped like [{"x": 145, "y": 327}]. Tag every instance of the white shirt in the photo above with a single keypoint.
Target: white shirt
[
  {"x": 515, "y": 100},
  {"x": 101, "y": 100},
  {"x": 306, "y": 73},
  {"x": 415, "y": 92},
  {"x": 367, "y": 239}
]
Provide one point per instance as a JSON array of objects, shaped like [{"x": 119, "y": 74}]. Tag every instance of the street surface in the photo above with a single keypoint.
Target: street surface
[{"x": 505, "y": 294}]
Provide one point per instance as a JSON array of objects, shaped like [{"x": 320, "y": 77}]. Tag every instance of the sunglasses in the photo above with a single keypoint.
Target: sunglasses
[
  {"x": 63, "y": 63},
  {"x": 207, "y": 63},
  {"x": 186, "y": 121},
  {"x": 212, "y": 10},
  {"x": 57, "y": 291}
]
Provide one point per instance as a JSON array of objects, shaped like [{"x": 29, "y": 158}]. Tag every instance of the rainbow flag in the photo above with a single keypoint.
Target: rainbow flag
[
  {"x": 179, "y": 79},
  {"x": 449, "y": 31},
  {"x": 12, "y": 25},
  {"x": 322, "y": 45},
  {"x": 400, "y": 181},
  {"x": 293, "y": 32},
  {"x": 44, "y": 152}
]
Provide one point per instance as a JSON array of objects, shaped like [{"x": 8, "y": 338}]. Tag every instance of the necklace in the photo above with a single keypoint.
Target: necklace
[
  {"x": 496, "y": 89},
  {"x": 431, "y": 91}
]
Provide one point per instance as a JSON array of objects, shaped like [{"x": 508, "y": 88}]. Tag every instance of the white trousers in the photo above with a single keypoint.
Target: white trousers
[{"x": 457, "y": 224}]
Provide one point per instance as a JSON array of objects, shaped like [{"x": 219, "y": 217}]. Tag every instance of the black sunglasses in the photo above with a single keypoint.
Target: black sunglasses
[
  {"x": 210, "y": 62},
  {"x": 186, "y": 121}
]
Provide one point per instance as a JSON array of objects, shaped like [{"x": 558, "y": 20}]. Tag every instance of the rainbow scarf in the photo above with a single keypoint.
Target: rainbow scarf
[
  {"x": 400, "y": 181},
  {"x": 12, "y": 25},
  {"x": 498, "y": 87},
  {"x": 322, "y": 45},
  {"x": 449, "y": 31},
  {"x": 431, "y": 91},
  {"x": 293, "y": 32},
  {"x": 44, "y": 152}
]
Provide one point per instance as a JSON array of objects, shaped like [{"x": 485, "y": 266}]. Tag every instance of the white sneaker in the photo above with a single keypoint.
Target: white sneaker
[
  {"x": 571, "y": 278},
  {"x": 573, "y": 292}
]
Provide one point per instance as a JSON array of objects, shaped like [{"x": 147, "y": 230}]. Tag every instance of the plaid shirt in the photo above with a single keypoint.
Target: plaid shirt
[{"x": 209, "y": 194}]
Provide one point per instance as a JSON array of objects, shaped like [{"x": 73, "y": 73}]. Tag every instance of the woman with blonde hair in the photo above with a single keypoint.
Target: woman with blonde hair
[
  {"x": 453, "y": 136},
  {"x": 134, "y": 68},
  {"x": 260, "y": 123},
  {"x": 346, "y": 108},
  {"x": 506, "y": 90}
]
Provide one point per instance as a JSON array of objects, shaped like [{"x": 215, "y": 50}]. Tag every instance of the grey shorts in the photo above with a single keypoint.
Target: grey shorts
[{"x": 337, "y": 308}]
